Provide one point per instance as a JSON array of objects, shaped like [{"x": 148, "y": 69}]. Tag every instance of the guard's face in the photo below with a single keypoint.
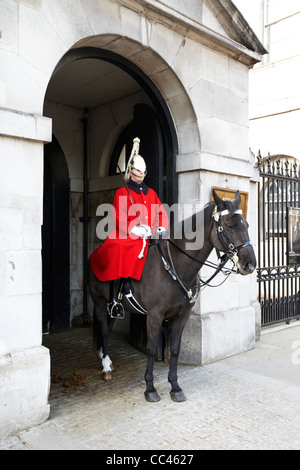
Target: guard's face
[{"x": 137, "y": 175}]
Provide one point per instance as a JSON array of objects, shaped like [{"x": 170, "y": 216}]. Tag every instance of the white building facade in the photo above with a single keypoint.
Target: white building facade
[
  {"x": 274, "y": 89},
  {"x": 77, "y": 80}
]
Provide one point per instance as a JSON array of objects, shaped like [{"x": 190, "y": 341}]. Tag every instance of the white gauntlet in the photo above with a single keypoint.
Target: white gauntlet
[
  {"x": 144, "y": 232},
  {"x": 141, "y": 231},
  {"x": 161, "y": 230}
]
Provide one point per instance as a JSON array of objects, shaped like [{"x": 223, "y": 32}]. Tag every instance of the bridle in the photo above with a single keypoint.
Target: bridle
[
  {"x": 229, "y": 248},
  {"x": 230, "y": 253}
]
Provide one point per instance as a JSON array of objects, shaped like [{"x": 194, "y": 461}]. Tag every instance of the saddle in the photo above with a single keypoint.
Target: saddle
[{"x": 125, "y": 287}]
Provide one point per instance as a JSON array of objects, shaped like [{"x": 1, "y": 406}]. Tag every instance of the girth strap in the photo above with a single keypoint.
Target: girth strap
[
  {"x": 127, "y": 290},
  {"x": 218, "y": 268}
]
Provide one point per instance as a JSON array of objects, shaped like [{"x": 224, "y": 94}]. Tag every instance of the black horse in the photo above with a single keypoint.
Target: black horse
[{"x": 170, "y": 283}]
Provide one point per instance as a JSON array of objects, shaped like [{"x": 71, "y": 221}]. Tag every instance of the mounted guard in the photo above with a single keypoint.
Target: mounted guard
[
  {"x": 170, "y": 294},
  {"x": 138, "y": 213}
]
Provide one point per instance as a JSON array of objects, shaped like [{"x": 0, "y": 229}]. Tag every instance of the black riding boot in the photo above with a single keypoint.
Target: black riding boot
[{"x": 114, "y": 307}]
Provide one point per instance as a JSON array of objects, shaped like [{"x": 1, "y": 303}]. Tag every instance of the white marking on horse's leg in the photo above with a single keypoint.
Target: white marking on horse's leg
[{"x": 106, "y": 364}]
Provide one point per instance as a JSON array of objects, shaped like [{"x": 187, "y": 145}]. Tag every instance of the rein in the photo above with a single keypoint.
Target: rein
[
  {"x": 230, "y": 253},
  {"x": 218, "y": 268}
]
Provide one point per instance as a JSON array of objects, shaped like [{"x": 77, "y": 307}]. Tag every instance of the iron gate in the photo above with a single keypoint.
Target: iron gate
[{"x": 278, "y": 272}]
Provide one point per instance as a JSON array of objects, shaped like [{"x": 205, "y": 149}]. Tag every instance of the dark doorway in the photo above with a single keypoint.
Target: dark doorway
[
  {"x": 147, "y": 127},
  {"x": 153, "y": 124},
  {"x": 56, "y": 240},
  {"x": 159, "y": 107}
]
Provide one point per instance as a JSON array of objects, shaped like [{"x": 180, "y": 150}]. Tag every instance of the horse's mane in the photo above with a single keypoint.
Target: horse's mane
[
  {"x": 229, "y": 204},
  {"x": 188, "y": 225}
]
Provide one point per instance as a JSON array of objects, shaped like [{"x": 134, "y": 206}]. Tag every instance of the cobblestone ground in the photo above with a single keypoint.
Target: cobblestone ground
[{"x": 226, "y": 408}]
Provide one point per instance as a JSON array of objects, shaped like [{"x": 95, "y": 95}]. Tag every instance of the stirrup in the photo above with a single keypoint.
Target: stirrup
[{"x": 116, "y": 310}]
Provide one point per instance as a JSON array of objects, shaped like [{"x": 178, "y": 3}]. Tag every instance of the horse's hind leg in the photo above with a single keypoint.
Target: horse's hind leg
[
  {"x": 107, "y": 366},
  {"x": 102, "y": 329},
  {"x": 177, "y": 326}
]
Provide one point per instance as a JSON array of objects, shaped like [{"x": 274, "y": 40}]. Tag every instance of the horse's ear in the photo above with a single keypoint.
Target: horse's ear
[
  {"x": 220, "y": 203},
  {"x": 237, "y": 199}
]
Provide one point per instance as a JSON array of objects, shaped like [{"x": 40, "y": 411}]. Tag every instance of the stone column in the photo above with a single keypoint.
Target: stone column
[{"x": 24, "y": 362}]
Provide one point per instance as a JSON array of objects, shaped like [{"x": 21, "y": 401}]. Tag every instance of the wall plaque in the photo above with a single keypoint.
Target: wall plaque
[{"x": 229, "y": 194}]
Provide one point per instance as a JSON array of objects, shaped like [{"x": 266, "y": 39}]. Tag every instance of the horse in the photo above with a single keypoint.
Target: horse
[{"x": 170, "y": 284}]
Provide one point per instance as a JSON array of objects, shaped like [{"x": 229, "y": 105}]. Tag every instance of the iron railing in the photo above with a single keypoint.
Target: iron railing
[{"x": 278, "y": 280}]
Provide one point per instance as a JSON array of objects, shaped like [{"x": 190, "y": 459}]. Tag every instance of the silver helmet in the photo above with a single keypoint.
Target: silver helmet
[{"x": 135, "y": 160}]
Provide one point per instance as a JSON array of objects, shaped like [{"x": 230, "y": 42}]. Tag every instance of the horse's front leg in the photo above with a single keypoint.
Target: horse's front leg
[
  {"x": 153, "y": 331},
  {"x": 177, "y": 326}
]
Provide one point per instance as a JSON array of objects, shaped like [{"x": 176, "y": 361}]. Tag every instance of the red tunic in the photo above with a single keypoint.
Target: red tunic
[{"x": 118, "y": 256}]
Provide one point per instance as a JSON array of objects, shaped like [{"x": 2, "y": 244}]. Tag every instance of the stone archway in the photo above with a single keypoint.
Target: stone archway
[
  {"x": 67, "y": 105},
  {"x": 159, "y": 82}
]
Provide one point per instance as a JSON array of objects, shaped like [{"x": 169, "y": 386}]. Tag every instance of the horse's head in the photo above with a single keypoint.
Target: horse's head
[{"x": 229, "y": 233}]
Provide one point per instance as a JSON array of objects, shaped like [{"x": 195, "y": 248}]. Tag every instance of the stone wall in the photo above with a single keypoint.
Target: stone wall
[
  {"x": 24, "y": 363},
  {"x": 199, "y": 64}
]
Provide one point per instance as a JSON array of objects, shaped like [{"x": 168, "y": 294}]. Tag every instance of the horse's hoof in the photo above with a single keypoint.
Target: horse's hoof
[
  {"x": 152, "y": 396},
  {"x": 178, "y": 396},
  {"x": 107, "y": 375}
]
